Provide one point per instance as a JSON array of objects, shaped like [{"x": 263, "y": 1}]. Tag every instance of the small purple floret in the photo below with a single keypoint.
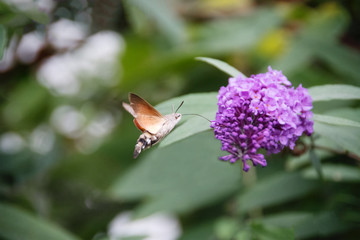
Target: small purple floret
[{"x": 262, "y": 111}]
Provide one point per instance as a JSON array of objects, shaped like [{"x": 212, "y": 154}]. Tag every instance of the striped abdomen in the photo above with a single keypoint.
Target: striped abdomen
[{"x": 146, "y": 140}]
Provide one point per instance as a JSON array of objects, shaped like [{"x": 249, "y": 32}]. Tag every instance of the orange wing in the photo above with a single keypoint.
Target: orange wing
[{"x": 146, "y": 117}]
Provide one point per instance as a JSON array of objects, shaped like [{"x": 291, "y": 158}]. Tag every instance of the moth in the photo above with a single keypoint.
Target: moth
[{"x": 153, "y": 125}]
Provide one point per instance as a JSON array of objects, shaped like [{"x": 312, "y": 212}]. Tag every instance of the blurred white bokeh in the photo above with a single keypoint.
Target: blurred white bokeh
[
  {"x": 11, "y": 143},
  {"x": 68, "y": 121},
  {"x": 42, "y": 139},
  {"x": 66, "y": 34},
  {"x": 87, "y": 131},
  {"x": 57, "y": 74},
  {"x": 29, "y": 47},
  {"x": 83, "y": 71},
  {"x": 158, "y": 226},
  {"x": 95, "y": 131}
]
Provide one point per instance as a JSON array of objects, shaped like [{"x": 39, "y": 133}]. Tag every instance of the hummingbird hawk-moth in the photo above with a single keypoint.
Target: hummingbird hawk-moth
[{"x": 153, "y": 125}]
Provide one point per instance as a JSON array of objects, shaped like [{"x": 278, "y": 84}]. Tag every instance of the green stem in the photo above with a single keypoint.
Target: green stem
[{"x": 249, "y": 180}]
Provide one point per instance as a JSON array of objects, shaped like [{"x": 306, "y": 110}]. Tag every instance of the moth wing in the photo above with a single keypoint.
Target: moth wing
[
  {"x": 146, "y": 116},
  {"x": 129, "y": 109},
  {"x": 149, "y": 123},
  {"x": 140, "y": 106}
]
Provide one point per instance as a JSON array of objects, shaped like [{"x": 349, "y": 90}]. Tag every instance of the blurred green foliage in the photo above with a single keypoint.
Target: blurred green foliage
[{"x": 66, "y": 167}]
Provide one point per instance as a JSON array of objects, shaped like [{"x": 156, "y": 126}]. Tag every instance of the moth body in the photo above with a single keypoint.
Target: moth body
[
  {"x": 169, "y": 124},
  {"x": 146, "y": 140},
  {"x": 147, "y": 119}
]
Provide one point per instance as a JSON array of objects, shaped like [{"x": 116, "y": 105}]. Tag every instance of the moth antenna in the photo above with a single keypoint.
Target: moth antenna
[
  {"x": 179, "y": 106},
  {"x": 197, "y": 115}
]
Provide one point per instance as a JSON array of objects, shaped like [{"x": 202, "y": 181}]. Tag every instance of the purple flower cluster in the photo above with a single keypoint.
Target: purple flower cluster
[{"x": 262, "y": 111}]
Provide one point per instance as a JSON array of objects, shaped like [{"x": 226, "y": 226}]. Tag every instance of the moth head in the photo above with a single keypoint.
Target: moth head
[{"x": 177, "y": 115}]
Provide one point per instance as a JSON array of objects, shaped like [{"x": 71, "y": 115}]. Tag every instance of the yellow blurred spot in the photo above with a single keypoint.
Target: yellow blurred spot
[
  {"x": 330, "y": 9},
  {"x": 225, "y": 4},
  {"x": 273, "y": 44}
]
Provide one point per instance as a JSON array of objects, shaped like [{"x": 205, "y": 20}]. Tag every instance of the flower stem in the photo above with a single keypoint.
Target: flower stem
[{"x": 249, "y": 180}]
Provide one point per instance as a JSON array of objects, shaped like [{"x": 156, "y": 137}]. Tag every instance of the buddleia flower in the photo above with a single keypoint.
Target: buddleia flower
[{"x": 262, "y": 111}]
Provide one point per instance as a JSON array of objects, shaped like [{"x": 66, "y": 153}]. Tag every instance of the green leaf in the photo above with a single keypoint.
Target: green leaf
[
  {"x": 321, "y": 29},
  {"x": 133, "y": 238},
  {"x": 336, "y": 173},
  {"x": 307, "y": 225},
  {"x": 191, "y": 126},
  {"x": 297, "y": 57},
  {"x": 263, "y": 232},
  {"x": 225, "y": 228},
  {"x": 335, "y": 120},
  {"x": 15, "y": 11},
  {"x": 347, "y": 138},
  {"x": 17, "y": 224},
  {"x": 37, "y": 16},
  {"x": 286, "y": 219},
  {"x": 204, "y": 230},
  {"x": 275, "y": 190},
  {"x": 315, "y": 160},
  {"x": 204, "y": 104},
  {"x": 347, "y": 112},
  {"x": 244, "y": 234},
  {"x": 322, "y": 224},
  {"x": 229, "y": 35},
  {"x": 180, "y": 177},
  {"x": 164, "y": 16},
  {"x": 20, "y": 108},
  {"x": 3, "y": 40},
  {"x": 223, "y": 66},
  {"x": 334, "y": 92},
  {"x": 332, "y": 52},
  {"x": 193, "y": 103},
  {"x": 296, "y": 162}
]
